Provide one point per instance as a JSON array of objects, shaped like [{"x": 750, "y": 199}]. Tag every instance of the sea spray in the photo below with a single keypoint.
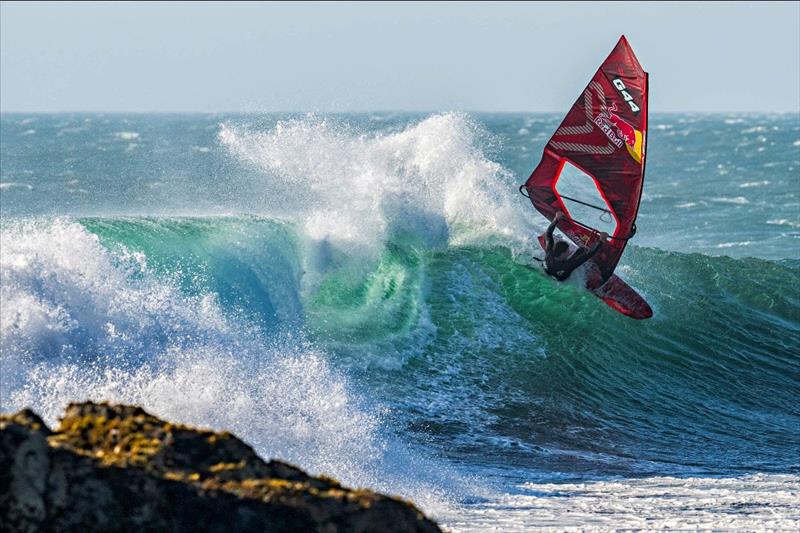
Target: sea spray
[
  {"x": 88, "y": 323},
  {"x": 357, "y": 188}
]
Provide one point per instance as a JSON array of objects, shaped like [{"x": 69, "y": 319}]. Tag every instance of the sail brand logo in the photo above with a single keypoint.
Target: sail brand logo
[
  {"x": 602, "y": 121},
  {"x": 625, "y": 94},
  {"x": 620, "y": 132}
]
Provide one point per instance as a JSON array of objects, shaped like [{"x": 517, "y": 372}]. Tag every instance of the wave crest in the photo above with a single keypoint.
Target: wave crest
[
  {"x": 426, "y": 180},
  {"x": 85, "y": 322}
]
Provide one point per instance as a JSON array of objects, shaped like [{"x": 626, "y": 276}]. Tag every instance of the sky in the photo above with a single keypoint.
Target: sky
[{"x": 215, "y": 57}]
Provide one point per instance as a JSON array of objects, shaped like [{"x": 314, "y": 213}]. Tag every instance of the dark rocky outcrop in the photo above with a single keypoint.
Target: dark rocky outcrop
[{"x": 118, "y": 468}]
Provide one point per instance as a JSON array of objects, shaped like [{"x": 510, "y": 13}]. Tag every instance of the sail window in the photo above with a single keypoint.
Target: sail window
[{"x": 582, "y": 199}]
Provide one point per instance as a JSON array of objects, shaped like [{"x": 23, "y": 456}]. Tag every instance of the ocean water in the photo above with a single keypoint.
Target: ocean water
[{"x": 356, "y": 294}]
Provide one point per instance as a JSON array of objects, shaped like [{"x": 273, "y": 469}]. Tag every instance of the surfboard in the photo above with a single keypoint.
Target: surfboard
[
  {"x": 616, "y": 294},
  {"x": 592, "y": 169}
]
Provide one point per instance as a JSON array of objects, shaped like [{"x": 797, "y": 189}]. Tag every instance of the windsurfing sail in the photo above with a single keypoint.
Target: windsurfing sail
[{"x": 593, "y": 165}]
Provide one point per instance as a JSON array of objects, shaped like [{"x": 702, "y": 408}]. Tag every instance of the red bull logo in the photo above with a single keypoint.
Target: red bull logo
[
  {"x": 624, "y": 130},
  {"x": 620, "y": 132}
]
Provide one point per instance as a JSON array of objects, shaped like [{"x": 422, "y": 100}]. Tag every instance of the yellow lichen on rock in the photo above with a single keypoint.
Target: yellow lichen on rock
[{"x": 115, "y": 467}]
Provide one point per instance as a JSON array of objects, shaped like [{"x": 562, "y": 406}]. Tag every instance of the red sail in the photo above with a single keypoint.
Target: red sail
[{"x": 593, "y": 166}]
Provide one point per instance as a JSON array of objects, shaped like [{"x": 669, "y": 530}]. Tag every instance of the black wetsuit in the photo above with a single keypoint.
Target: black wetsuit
[{"x": 561, "y": 269}]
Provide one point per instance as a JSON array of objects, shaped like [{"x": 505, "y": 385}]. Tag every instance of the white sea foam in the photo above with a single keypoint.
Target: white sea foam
[
  {"x": 733, "y": 244},
  {"x": 82, "y": 322},
  {"x": 784, "y": 222},
  {"x": 429, "y": 178},
  {"x": 749, "y": 184},
  {"x": 796, "y": 143},
  {"x": 127, "y": 135},
  {"x": 13, "y": 184},
  {"x": 758, "y": 502},
  {"x": 737, "y": 200}
]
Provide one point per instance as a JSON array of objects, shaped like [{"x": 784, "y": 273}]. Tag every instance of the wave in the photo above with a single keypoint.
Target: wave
[
  {"x": 468, "y": 344},
  {"x": 379, "y": 318},
  {"x": 358, "y": 190},
  {"x": 145, "y": 312}
]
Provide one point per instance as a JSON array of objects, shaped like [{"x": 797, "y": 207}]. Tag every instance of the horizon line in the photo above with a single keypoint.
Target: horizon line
[{"x": 331, "y": 112}]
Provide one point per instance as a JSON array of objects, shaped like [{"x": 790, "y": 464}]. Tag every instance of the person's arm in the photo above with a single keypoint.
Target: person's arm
[
  {"x": 550, "y": 229},
  {"x": 581, "y": 256}
]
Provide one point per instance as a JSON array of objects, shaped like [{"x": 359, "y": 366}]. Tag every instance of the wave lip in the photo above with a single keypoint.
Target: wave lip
[{"x": 358, "y": 188}]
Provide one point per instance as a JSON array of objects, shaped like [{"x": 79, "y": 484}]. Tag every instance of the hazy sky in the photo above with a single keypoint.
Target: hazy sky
[{"x": 427, "y": 57}]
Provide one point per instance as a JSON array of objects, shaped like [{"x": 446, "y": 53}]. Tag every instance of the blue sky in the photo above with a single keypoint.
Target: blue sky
[{"x": 382, "y": 56}]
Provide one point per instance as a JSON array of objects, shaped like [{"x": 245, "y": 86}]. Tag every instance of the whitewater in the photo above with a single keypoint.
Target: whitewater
[{"x": 357, "y": 294}]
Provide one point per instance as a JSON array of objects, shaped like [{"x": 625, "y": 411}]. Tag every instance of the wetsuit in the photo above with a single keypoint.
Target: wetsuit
[{"x": 561, "y": 269}]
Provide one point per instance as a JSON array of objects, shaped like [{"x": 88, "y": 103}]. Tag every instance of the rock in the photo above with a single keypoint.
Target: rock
[{"x": 118, "y": 468}]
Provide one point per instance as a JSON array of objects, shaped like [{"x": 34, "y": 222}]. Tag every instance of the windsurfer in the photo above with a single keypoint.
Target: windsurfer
[{"x": 558, "y": 262}]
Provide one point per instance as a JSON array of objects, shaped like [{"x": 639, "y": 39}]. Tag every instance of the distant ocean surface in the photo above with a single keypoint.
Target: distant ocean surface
[{"x": 356, "y": 293}]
